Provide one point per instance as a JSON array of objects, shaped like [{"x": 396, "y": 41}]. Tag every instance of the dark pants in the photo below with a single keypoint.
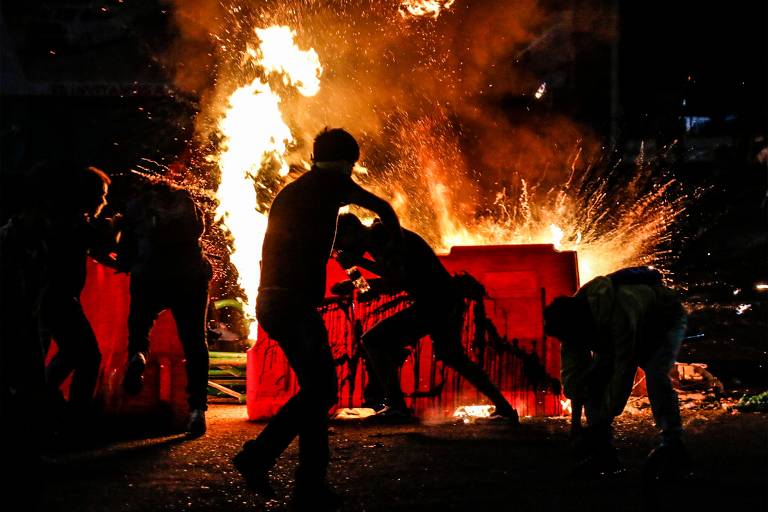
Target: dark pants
[
  {"x": 442, "y": 321},
  {"x": 64, "y": 319},
  {"x": 299, "y": 330},
  {"x": 188, "y": 301},
  {"x": 663, "y": 398},
  {"x": 657, "y": 366}
]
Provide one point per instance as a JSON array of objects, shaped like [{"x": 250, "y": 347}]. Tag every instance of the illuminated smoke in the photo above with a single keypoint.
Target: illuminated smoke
[{"x": 422, "y": 95}]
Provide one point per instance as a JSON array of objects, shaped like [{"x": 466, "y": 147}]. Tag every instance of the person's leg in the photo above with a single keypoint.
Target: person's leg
[
  {"x": 373, "y": 393},
  {"x": 189, "y": 309},
  {"x": 670, "y": 460},
  {"x": 88, "y": 364},
  {"x": 300, "y": 332},
  {"x": 384, "y": 343},
  {"x": 54, "y": 312},
  {"x": 597, "y": 380},
  {"x": 78, "y": 352},
  {"x": 663, "y": 398},
  {"x": 316, "y": 373},
  {"x": 144, "y": 309},
  {"x": 449, "y": 350}
]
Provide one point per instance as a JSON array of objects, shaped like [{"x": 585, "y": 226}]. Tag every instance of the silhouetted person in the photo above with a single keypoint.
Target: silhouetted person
[
  {"x": 76, "y": 197},
  {"x": 612, "y": 325},
  {"x": 297, "y": 246},
  {"x": 23, "y": 406},
  {"x": 437, "y": 311},
  {"x": 160, "y": 246}
]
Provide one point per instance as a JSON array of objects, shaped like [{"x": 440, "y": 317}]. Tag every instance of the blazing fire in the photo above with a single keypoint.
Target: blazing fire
[
  {"x": 254, "y": 138},
  {"x": 414, "y": 110},
  {"x": 613, "y": 215},
  {"x": 609, "y": 229},
  {"x": 431, "y": 8}
]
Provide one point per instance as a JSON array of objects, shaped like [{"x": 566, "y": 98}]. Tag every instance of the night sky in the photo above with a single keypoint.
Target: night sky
[{"x": 709, "y": 55}]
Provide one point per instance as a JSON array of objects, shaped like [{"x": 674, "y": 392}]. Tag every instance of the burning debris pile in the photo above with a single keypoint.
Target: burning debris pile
[
  {"x": 471, "y": 413},
  {"x": 426, "y": 106}
]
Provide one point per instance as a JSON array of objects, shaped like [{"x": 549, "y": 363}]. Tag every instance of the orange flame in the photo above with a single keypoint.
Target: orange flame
[
  {"x": 431, "y": 8},
  {"x": 255, "y": 137},
  {"x": 425, "y": 173},
  {"x": 609, "y": 226}
]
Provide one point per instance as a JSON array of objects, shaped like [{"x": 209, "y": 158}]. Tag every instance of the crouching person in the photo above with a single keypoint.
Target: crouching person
[{"x": 612, "y": 325}]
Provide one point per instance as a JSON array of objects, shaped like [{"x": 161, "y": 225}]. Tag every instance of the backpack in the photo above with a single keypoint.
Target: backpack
[
  {"x": 648, "y": 276},
  {"x": 175, "y": 221},
  {"x": 161, "y": 226}
]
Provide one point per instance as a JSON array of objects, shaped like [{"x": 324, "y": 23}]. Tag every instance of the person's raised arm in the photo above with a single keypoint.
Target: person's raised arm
[{"x": 361, "y": 197}]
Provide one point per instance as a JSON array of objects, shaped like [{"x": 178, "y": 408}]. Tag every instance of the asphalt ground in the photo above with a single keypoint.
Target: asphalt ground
[{"x": 436, "y": 466}]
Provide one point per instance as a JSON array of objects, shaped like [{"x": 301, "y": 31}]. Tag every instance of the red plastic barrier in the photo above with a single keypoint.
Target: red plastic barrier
[
  {"x": 520, "y": 279},
  {"x": 106, "y": 300}
]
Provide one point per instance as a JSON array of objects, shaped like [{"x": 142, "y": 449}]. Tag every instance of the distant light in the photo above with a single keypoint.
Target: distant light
[
  {"x": 761, "y": 287},
  {"x": 693, "y": 122},
  {"x": 540, "y": 91},
  {"x": 737, "y": 291},
  {"x": 741, "y": 308}
]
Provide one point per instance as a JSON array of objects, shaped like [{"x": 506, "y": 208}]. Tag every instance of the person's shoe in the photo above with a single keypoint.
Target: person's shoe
[
  {"x": 255, "y": 475},
  {"x": 600, "y": 464},
  {"x": 196, "y": 425},
  {"x": 504, "y": 415},
  {"x": 320, "y": 498},
  {"x": 394, "y": 416},
  {"x": 133, "y": 381},
  {"x": 667, "y": 463},
  {"x": 376, "y": 405}
]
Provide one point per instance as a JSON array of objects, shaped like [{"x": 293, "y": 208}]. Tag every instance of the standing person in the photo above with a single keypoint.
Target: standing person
[
  {"x": 160, "y": 246},
  {"x": 612, "y": 325},
  {"x": 437, "y": 311},
  {"x": 76, "y": 197},
  {"x": 297, "y": 246}
]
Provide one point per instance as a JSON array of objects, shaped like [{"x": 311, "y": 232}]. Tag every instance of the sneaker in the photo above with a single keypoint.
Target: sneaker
[
  {"x": 395, "y": 416},
  {"x": 133, "y": 381},
  {"x": 315, "y": 499},
  {"x": 196, "y": 424},
  {"x": 255, "y": 475}
]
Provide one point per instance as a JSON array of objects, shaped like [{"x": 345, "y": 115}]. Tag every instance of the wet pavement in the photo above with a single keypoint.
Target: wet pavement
[{"x": 438, "y": 466}]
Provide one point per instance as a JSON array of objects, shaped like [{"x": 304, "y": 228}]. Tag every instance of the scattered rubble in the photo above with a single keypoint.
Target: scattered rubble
[
  {"x": 699, "y": 390},
  {"x": 753, "y": 403}
]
